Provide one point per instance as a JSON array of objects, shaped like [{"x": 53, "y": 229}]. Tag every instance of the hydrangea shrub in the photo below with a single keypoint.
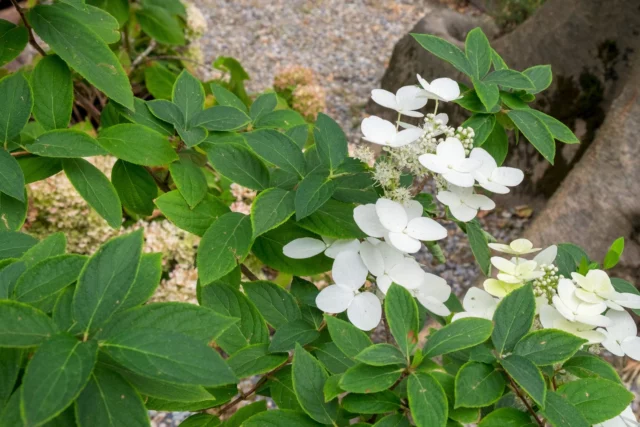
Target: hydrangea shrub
[{"x": 81, "y": 345}]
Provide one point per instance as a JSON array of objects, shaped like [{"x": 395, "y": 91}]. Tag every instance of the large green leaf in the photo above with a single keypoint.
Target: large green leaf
[
  {"x": 510, "y": 79},
  {"x": 527, "y": 376},
  {"x": 17, "y": 100},
  {"x": 48, "y": 277},
  {"x": 461, "y": 334},
  {"x": 362, "y": 378},
  {"x": 513, "y": 318},
  {"x": 401, "y": 311},
  {"x": 279, "y": 119},
  {"x": 227, "y": 98},
  {"x": 52, "y": 245},
  {"x": 482, "y": 125},
  {"x": 427, "y": 401},
  {"x": 14, "y": 244},
  {"x": 275, "y": 304},
  {"x": 142, "y": 115},
  {"x": 169, "y": 356},
  {"x": 374, "y": 403},
  {"x": 106, "y": 280},
  {"x": 333, "y": 219},
  {"x": 255, "y": 360},
  {"x": 135, "y": 186},
  {"x": 161, "y": 25},
  {"x": 560, "y": 413},
  {"x": 159, "y": 81},
  {"x": 541, "y": 77},
  {"x": 239, "y": 165},
  {"x": 488, "y": 93},
  {"x": 280, "y": 417},
  {"x": 37, "y": 168},
  {"x": 548, "y": 346},
  {"x": 278, "y": 149},
  {"x": 281, "y": 390},
  {"x": 598, "y": 400},
  {"x": 506, "y": 417},
  {"x": 586, "y": 365},
  {"x": 331, "y": 142},
  {"x": 479, "y": 246},
  {"x": 188, "y": 95},
  {"x": 21, "y": 325},
  {"x": 147, "y": 280},
  {"x": 497, "y": 144},
  {"x": 347, "y": 337},
  {"x": 196, "y": 220},
  {"x": 308, "y": 382},
  {"x": 262, "y": 105},
  {"x": 534, "y": 129},
  {"x": 10, "y": 365},
  {"x": 477, "y": 385},
  {"x": 102, "y": 22},
  {"x": 228, "y": 301},
  {"x": 381, "y": 355},
  {"x": 83, "y": 50},
  {"x": 445, "y": 51},
  {"x": 13, "y": 39},
  {"x": 221, "y": 118},
  {"x": 313, "y": 192},
  {"x": 55, "y": 376},
  {"x": 137, "y": 144},
  {"x": 225, "y": 244},
  {"x": 110, "y": 401},
  {"x": 95, "y": 188},
  {"x": 65, "y": 143},
  {"x": 13, "y": 213},
  {"x": 11, "y": 177},
  {"x": 558, "y": 130},
  {"x": 52, "y": 92},
  {"x": 270, "y": 209},
  {"x": 297, "y": 331},
  {"x": 478, "y": 52},
  {"x": 190, "y": 180}
]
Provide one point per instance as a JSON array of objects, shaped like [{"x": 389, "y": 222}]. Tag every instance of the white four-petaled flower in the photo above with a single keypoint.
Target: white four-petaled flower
[
  {"x": 517, "y": 247},
  {"x": 477, "y": 303},
  {"x": 405, "y": 101},
  {"x": 307, "y": 247},
  {"x": 451, "y": 162},
  {"x": 516, "y": 270},
  {"x": 621, "y": 335},
  {"x": 490, "y": 176},
  {"x": 463, "y": 203},
  {"x": 576, "y": 310},
  {"x": 596, "y": 287},
  {"x": 442, "y": 89},
  {"x": 552, "y": 319},
  {"x": 383, "y": 132}
]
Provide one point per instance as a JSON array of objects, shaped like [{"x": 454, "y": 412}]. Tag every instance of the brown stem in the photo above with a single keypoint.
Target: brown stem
[
  {"x": 245, "y": 270},
  {"x": 524, "y": 400},
  {"x": 419, "y": 185},
  {"x": 32, "y": 39},
  {"x": 20, "y": 153}
]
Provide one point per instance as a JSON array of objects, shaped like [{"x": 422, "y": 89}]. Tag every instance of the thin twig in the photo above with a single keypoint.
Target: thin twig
[
  {"x": 20, "y": 153},
  {"x": 143, "y": 55},
  {"x": 524, "y": 400},
  {"x": 245, "y": 270},
  {"x": 32, "y": 39}
]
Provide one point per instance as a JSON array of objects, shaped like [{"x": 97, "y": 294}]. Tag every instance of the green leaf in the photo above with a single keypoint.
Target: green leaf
[
  {"x": 568, "y": 258},
  {"x": 17, "y": 99},
  {"x": 331, "y": 142},
  {"x": 295, "y": 332},
  {"x": 13, "y": 213},
  {"x": 52, "y": 92},
  {"x": 560, "y": 413},
  {"x": 66, "y": 363},
  {"x": 548, "y": 346},
  {"x": 174, "y": 7},
  {"x": 95, "y": 188},
  {"x": 239, "y": 165},
  {"x": 262, "y": 105},
  {"x": 381, "y": 355},
  {"x": 109, "y": 401},
  {"x": 558, "y": 129},
  {"x": 540, "y": 75},
  {"x": 159, "y": 81},
  {"x": 190, "y": 180},
  {"x": 228, "y": 301},
  {"x": 106, "y": 280},
  {"x": 478, "y": 385},
  {"x": 401, "y": 311},
  {"x": 488, "y": 93},
  {"x": 227, "y": 98},
  {"x": 332, "y": 388},
  {"x": 478, "y": 52},
  {"x": 55, "y": 244},
  {"x": 37, "y": 168},
  {"x": 333, "y": 358},
  {"x": 280, "y": 418},
  {"x": 590, "y": 366},
  {"x": 513, "y": 318},
  {"x": 83, "y": 50},
  {"x": 65, "y": 143},
  {"x": 135, "y": 186},
  {"x": 14, "y": 244},
  {"x": 221, "y": 118},
  {"x": 13, "y": 39},
  {"x": 196, "y": 220},
  {"x": 48, "y": 277},
  {"x": 614, "y": 253},
  {"x": 461, "y": 334},
  {"x": 308, "y": 382},
  {"x": 497, "y": 61},
  {"x": 362, "y": 378},
  {"x": 347, "y": 337},
  {"x": 497, "y": 144},
  {"x": 270, "y": 209},
  {"x": 137, "y": 144},
  {"x": 169, "y": 356},
  {"x": 278, "y": 149},
  {"x": 333, "y": 219},
  {"x": 142, "y": 115},
  {"x": 375, "y": 403},
  {"x": 510, "y": 79},
  {"x": 10, "y": 365},
  {"x": 527, "y": 376},
  {"x": 225, "y": 244},
  {"x": 244, "y": 413},
  {"x": 598, "y": 400},
  {"x": 23, "y": 326},
  {"x": 505, "y": 417},
  {"x": 188, "y": 95},
  {"x": 275, "y": 304},
  {"x": 299, "y": 134},
  {"x": 147, "y": 280},
  {"x": 479, "y": 246},
  {"x": 313, "y": 192},
  {"x": 161, "y": 25},
  {"x": 167, "y": 111},
  {"x": 279, "y": 119},
  {"x": 445, "y": 51},
  {"x": 482, "y": 125},
  {"x": 281, "y": 390},
  {"x": 201, "y": 420},
  {"x": 11, "y": 177},
  {"x": 255, "y": 360},
  {"x": 102, "y": 23},
  {"x": 535, "y": 131},
  {"x": 427, "y": 401}
]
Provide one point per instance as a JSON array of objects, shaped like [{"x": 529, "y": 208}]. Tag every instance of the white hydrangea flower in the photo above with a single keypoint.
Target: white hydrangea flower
[
  {"x": 383, "y": 132},
  {"x": 477, "y": 303},
  {"x": 517, "y": 247},
  {"x": 626, "y": 419},
  {"x": 576, "y": 310},
  {"x": 451, "y": 162},
  {"x": 621, "y": 335},
  {"x": 405, "y": 101},
  {"x": 552, "y": 319},
  {"x": 389, "y": 265},
  {"x": 463, "y": 203},
  {"x": 432, "y": 293},
  {"x": 402, "y": 226},
  {"x": 491, "y": 177},
  {"x": 547, "y": 256},
  {"x": 442, "y": 89},
  {"x": 516, "y": 270},
  {"x": 363, "y": 309},
  {"x": 596, "y": 287},
  {"x": 307, "y": 247},
  {"x": 498, "y": 288}
]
